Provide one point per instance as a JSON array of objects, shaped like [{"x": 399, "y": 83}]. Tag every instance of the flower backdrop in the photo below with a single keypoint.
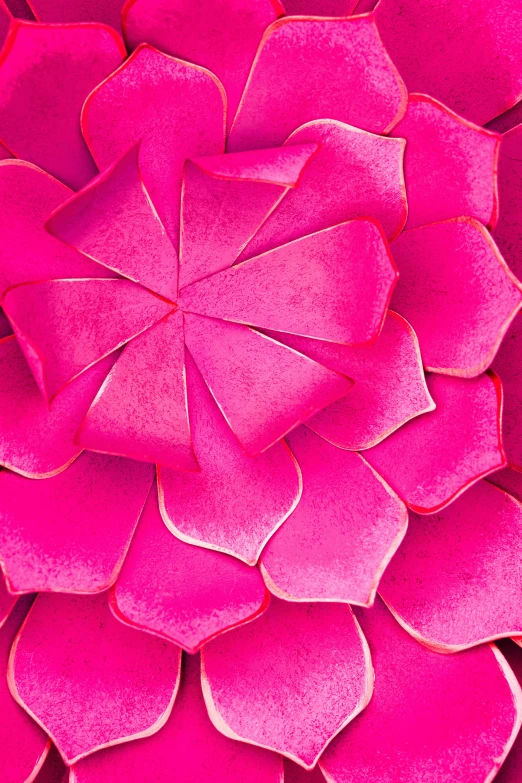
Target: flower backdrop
[{"x": 261, "y": 391}]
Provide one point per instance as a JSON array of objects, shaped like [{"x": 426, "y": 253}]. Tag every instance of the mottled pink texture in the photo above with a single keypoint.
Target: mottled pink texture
[
  {"x": 433, "y": 458},
  {"x": 71, "y": 533},
  {"x": 508, "y": 364},
  {"x": 276, "y": 165},
  {"x": 188, "y": 749},
  {"x": 87, "y": 678},
  {"x": 46, "y": 73},
  {"x": 450, "y": 165},
  {"x": 457, "y": 292},
  {"x": 274, "y": 388},
  {"x": 183, "y": 592},
  {"x": 341, "y": 536},
  {"x": 105, "y": 11},
  {"x": 307, "y": 69},
  {"x": 389, "y": 385},
  {"x": 235, "y": 502},
  {"x": 298, "y": 665},
  {"x": 432, "y": 717},
  {"x": 508, "y": 231}
]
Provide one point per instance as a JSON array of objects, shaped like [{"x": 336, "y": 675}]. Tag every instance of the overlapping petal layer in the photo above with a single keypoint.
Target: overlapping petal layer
[
  {"x": 508, "y": 364},
  {"x": 508, "y": 231},
  {"x": 7, "y": 601},
  {"x": 106, "y": 11}
]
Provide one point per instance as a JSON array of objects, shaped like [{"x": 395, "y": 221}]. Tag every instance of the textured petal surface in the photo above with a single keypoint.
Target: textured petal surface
[
  {"x": 114, "y": 222},
  {"x": 457, "y": 292},
  {"x": 309, "y": 68},
  {"x": 235, "y": 502},
  {"x": 65, "y": 326},
  {"x": 175, "y": 108},
  {"x": 263, "y": 388},
  {"x": 334, "y": 285},
  {"x": 508, "y": 364},
  {"x": 277, "y": 165},
  {"x": 434, "y": 457},
  {"x": 183, "y": 592},
  {"x": 344, "y": 531},
  {"x": 71, "y": 532},
  {"x": 105, "y": 11},
  {"x": 319, "y": 8},
  {"x": 46, "y": 73},
  {"x": 188, "y": 749},
  {"x": 450, "y": 164},
  {"x": 141, "y": 409},
  {"x": 455, "y": 580},
  {"x": 90, "y": 680},
  {"x": 437, "y": 717},
  {"x": 389, "y": 385},
  {"x": 508, "y": 231},
  {"x": 466, "y": 55},
  {"x": 289, "y": 681}
]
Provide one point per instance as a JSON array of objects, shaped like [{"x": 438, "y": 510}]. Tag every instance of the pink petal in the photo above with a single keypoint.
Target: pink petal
[
  {"x": 278, "y": 166},
  {"x": 176, "y": 109},
  {"x": 319, "y": 7},
  {"x": 235, "y": 502},
  {"x": 7, "y": 601},
  {"x": 114, "y": 222},
  {"x": 71, "y": 533},
  {"x": 263, "y": 388},
  {"x": 141, "y": 410},
  {"x": 29, "y": 253},
  {"x": 5, "y": 20},
  {"x": 23, "y": 745},
  {"x": 182, "y": 592},
  {"x": 451, "y": 563},
  {"x": 509, "y": 480},
  {"x": 37, "y": 440},
  {"x": 5, "y": 326},
  {"x": 435, "y": 457},
  {"x": 510, "y": 770},
  {"x": 465, "y": 55},
  {"x": 341, "y": 536},
  {"x": 87, "y": 678},
  {"x": 46, "y": 73},
  {"x": 291, "y": 680},
  {"x": 53, "y": 769},
  {"x": 364, "y": 6},
  {"x": 508, "y": 231},
  {"x": 334, "y": 285},
  {"x": 307, "y": 69},
  {"x": 457, "y": 292},
  {"x": 65, "y": 326},
  {"x": 296, "y": 774},
  {"x": 508, "y": 364},
  {"x": 432, "y": 717},
  {"x": 106, "y": 11},
  {"x": 389, "y": 389},
  {"x": 507, "y": 120},
  {"x": 187, "y": 750},
  {"x": 221, "y": 36},
  {"x": 450, "y": 164}
]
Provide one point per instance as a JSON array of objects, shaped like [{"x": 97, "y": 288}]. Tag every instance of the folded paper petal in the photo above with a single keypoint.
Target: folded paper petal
[
  {"x": 37, "y": 440},
  {"x": 46, "y": 73},
  {"x": 141, "y": 410},
  {"x": 308, "y": 68},
  {"x": 508, "y": 231},
  {"x": 435, "y": 457},
  {"x": 289, "y": 681},
  {"x": 105, "y": 11},
  {"x": 341, "y": 536},
  {"x": 188, "y": 749},
  {"x": 457, "y": 292},
  {"x": 7, "y": 601},
  {"x": 87, "y": 678},
  {"x": 466, "y": 55},
  {"x": 65, "y": 326},
  {"x": 508, "y": 364},
  {"x": 235, "y": 502},
  {"x": 333, "y": 285},
  {"x": 450, "y": 165},
  {"x": 113, "y": 221},
  {"x": 436, "y": 717},
  {"x": 389, "y": 385},
  {"x": 71, "y": 533},
  {"x": 263, "y": 388},
  {"x": 182, "y": 592},
  {"x": 177, "y": 111}
]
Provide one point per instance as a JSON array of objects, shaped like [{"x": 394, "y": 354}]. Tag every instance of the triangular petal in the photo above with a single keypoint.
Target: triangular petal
[
  {"x": 235, "y": 502},
  {"x": 508, "y": 231},
  {"x": 341, "y": 536},
  {"x": 432, "y": 717},
  {"x": 433, "y": 458},
  {"x": 46, "y": 73},
  {"x": 508, "y": 364},
  {"x": 141, "y": 410},
  {"x": 113, "y": 221},
  {"x": 87, "y": 678},
  {"x": 263, "y": 388},
  {"x": 304, "y": 669},
  {"x": 105, "y": 11},
  {"x": 71, "y": 532},
  {"x": 457, "y": 292},
  {"x": 276, "y": 165}
]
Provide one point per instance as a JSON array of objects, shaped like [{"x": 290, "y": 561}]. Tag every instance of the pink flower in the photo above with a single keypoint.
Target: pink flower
[{"x": 231, "y": 249}]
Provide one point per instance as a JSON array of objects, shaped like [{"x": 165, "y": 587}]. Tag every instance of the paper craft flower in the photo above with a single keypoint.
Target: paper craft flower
[{"x": 253, "y": 320}]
